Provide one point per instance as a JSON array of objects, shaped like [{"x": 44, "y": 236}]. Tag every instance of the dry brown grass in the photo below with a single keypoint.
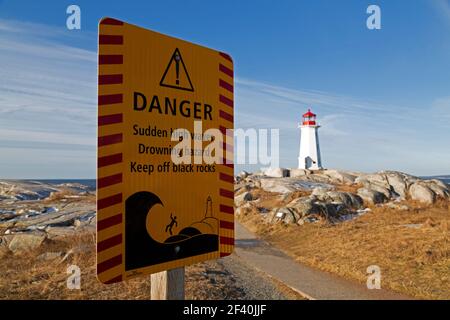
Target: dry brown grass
[
  {"x": 352, "y": 188},
  {"x": 414, "y": 259},
  {"x": 26, "y": 277},
  {"x": 266, "y": 199}
]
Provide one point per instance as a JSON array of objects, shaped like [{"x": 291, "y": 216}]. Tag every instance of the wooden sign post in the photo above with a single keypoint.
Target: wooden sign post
[{"x": 168, "y": 285}]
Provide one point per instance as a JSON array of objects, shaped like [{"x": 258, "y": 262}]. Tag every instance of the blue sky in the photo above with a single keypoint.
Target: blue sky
[{"x": 382, "y": 97}]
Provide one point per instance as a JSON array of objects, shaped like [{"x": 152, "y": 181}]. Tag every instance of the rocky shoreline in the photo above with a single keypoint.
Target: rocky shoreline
[
  {"x": 32, "y": 213},
  {"x": 300, "y": 196}
]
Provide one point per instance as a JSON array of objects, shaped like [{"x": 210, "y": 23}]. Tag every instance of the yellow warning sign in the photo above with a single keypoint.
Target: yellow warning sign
[{"x": 165, "y": 151}]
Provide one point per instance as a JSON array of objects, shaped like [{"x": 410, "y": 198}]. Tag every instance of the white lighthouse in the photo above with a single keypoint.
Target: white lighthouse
[{"x": 309, "y": 157}]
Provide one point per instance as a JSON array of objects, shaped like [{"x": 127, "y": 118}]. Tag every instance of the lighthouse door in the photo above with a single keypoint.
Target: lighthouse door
[{"x": 308, "y": 162}]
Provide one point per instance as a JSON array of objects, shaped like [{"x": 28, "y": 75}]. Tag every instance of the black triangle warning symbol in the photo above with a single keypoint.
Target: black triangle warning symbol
[{"x": 176, "y": 75}]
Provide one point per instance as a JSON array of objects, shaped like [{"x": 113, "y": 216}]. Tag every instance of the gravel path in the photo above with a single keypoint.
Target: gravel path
[
  {"x": 313, "y": 283},
  {"x": 231, "y": 278}
]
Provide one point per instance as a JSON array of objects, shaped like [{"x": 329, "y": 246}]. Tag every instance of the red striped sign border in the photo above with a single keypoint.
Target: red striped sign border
[
  {"x": 108, "y": 117},
  {"x": 226, "y": 193}
]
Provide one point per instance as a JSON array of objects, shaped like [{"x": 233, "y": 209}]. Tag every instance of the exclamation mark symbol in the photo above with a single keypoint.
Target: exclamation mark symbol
[{"x": 177, "y": 66}]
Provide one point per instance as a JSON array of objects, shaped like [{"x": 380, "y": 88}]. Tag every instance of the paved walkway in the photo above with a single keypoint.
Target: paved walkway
[{"x": 310, "y": 282}]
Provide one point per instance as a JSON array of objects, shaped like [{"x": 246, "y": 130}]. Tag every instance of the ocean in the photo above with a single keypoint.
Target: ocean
[
  {"x": 90, "y": 183},
  {"x": 443, "y": 178}
]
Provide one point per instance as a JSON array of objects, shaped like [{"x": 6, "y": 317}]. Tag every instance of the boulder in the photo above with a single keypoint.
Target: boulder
[
  {"x": 357, "y": 201},
  {"x": 371, "y": 196},
  {"x": 367, "y": 180},
  {"x": 397, "y": 183},
  {"x": 439, "y": 189},
  {"x": 291, "y": 218},
  {"x": 311, "y": 219},
  {"x": 440, "y": 184},
  {"x": 276, "y": 172},
  {"x": 25, "y": 190},
  {"x": 340, "y": 177},
  {"x": 320, "y": 192},
  {"x": 286, "y": 215},
  {"x": 243, "y": 174},
  {"x": 347, "y": 199},
  {"x": 294, "y": 173},
  {"x": 78, "y": 223},
  {"x": 276, "y": 186},
  {"x": 330, "y": 210},
  {"x": 381, "y": 189},
  {"x": 61, "y": 218},
  {"x": 303, "y": 206},
  {"x": 288, "y": 185},
  {"x": 421, "y": 192},
  {"x": 238, "y": 186},
  {"x": 242, "y": 198},
  {"x": 26, "y": 241},
  {"x": 327, "y": 205}
]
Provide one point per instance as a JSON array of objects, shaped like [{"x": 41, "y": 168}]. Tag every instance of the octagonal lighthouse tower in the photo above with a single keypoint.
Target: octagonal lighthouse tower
[{"x": 309, "y": 157}]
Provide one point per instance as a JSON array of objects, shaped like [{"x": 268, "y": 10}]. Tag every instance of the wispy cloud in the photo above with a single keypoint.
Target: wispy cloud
[
  {"x": 25, "y": 135},
  {"x": 47, "y": 100},
  {"x": 342, "y": 104},
  {"x": 45, "y": 86},
  {"x": 36, "y": 30}
]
